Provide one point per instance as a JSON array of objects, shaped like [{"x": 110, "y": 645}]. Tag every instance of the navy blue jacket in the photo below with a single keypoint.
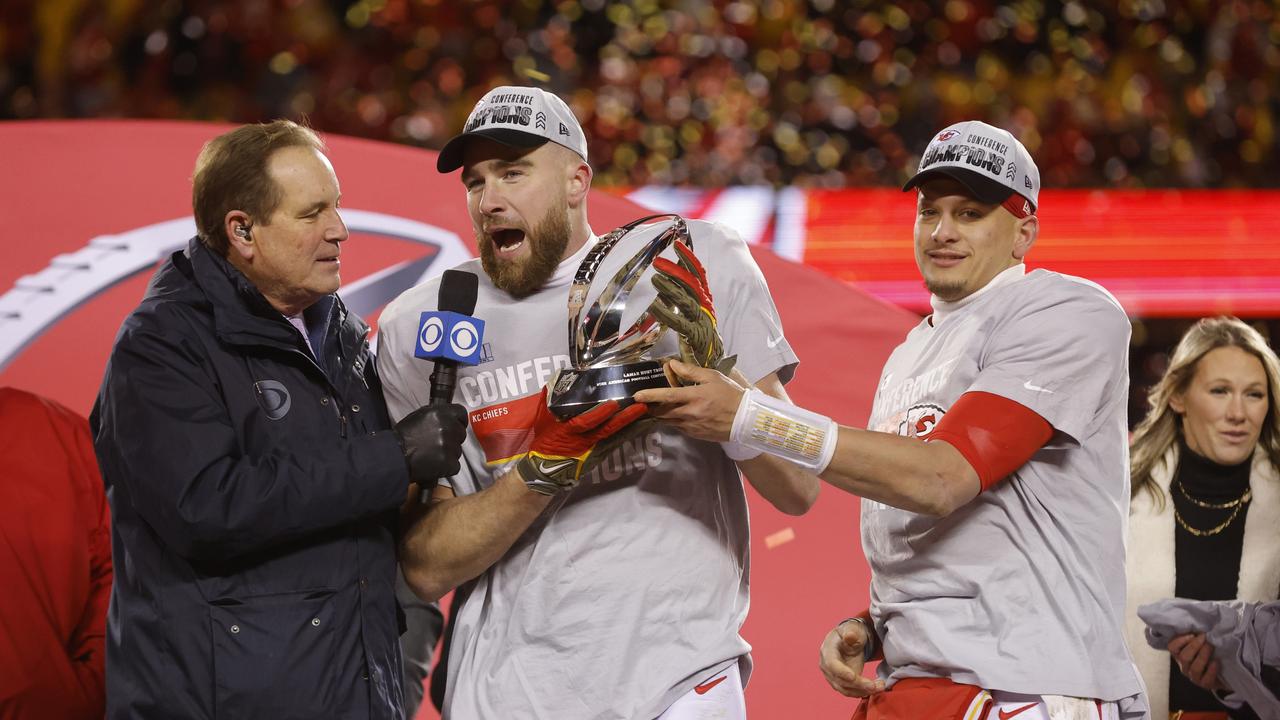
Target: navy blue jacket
[{"x": 254, "y": 499}]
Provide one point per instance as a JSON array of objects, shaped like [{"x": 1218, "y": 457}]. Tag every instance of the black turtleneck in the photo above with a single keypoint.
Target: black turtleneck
[{"x": 1207, "y": 568}]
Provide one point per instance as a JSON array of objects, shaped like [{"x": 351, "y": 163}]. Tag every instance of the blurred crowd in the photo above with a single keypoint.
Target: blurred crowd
[{"x": 1133, "y": 93}]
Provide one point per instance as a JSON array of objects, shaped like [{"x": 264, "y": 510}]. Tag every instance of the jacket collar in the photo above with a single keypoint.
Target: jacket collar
[{"x": 242, "y": 315}]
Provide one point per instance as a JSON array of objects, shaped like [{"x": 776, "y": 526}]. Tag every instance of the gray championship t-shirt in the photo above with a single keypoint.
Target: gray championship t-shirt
[
  {"x": 631, "y": 589},
  {"x": 1022, "y": 589}
]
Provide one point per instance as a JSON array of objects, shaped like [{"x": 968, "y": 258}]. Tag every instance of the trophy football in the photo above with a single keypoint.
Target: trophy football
[{"x": 608, "y": 361}]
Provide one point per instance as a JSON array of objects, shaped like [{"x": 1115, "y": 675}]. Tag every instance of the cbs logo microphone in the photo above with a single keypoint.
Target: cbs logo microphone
[{"x": 449, "y": 336}]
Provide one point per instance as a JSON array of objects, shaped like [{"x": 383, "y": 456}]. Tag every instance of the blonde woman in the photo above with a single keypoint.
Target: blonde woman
[{"x": 1205, "y": 517}]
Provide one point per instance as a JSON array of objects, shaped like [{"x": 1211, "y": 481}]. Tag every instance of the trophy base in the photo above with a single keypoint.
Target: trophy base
[{"x": 574, "y": 392}]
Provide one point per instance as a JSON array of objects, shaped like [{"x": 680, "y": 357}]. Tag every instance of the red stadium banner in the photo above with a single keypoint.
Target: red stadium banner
[{"x": 1162, "y": 253}]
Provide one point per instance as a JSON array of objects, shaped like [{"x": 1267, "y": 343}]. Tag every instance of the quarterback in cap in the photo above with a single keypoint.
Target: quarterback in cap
[
  {"x": 600, "y": 573},
  {"x": 993, "y": 471}
]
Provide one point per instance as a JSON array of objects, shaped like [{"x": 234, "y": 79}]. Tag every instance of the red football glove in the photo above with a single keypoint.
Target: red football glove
[
  {"x": 689, "y": 273},
  {"x": 562, "y": 450},
  {"x": 684, "y": 305}
]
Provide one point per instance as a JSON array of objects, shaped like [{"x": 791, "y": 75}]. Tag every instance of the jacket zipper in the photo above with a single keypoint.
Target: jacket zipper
[{"x": 333, "y": 398}]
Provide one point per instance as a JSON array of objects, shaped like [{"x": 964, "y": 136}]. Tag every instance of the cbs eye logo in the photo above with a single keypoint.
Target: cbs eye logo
[
  {"x": 463, "y": 338},
  {"x": 463, "y": 335},
  {"x": 431, "y": 334}
]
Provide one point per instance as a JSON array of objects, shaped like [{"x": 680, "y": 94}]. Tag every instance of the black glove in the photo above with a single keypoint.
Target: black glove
[{"x": 432, "y": 438}]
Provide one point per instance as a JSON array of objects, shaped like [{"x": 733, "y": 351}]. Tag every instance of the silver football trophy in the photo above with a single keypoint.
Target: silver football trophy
[{"x": 609, "y": 362}]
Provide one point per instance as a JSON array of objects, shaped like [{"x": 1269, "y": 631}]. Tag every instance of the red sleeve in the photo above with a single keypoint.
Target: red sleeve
[
  {"x": 994, "y": 434},
  {"x": 55, "y": 557},
  {"x": 87, "y": 646}
]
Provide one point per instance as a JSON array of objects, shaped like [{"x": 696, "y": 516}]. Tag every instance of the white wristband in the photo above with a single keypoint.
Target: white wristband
[
  {"x": 777, "y": 427},
  {"x": 738, "y": 452}
]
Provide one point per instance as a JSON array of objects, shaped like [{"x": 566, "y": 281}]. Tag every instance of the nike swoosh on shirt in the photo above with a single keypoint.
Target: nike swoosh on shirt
[
  {"x": 705, "y": 687},
  {"x": 1006, "y": 715},
  {"x": 1035, "y": 388},
  {"x": 773, "y": 342}
]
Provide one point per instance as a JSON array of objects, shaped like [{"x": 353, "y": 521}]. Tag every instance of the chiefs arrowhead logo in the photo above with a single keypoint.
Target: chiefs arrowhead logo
[
  {"x": 921, "y": 420},
  {"x": 946, "y": 135}
]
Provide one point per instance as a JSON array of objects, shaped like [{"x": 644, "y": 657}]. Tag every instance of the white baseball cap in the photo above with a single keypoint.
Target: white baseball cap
[
  {"x": 988, "y": 161},
  {"x": 520, "y": 117}
]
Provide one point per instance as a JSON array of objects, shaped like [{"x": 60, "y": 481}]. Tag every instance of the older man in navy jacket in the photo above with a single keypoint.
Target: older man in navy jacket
[{"x": 252, "y": 471}]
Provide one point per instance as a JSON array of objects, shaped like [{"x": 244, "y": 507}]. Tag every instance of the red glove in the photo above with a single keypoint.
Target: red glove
[
  {"x": 690, "y": 272},
  {"x": 562, "y": 450},
  {"x": 684, "y": 305}
]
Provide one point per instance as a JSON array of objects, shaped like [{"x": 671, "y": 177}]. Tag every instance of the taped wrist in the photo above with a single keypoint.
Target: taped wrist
[{"x": 779, "y": 428}]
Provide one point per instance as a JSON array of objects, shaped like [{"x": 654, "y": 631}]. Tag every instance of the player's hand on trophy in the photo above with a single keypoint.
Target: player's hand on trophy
[
  {"x": 704, "y": 404},
  {"x": 563, "y": 450},
  {"x": 841, "y": 659},
  {"x": 432, "y": 438},
  {"x": 684, "y": 304}
]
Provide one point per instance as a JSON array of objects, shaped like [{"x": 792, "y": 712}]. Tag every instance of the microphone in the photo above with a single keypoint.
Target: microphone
[{"x": 451, "y": 336}]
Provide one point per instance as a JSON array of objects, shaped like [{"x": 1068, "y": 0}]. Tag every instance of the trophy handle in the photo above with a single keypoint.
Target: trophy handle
[{"x": 600, "y": 327}]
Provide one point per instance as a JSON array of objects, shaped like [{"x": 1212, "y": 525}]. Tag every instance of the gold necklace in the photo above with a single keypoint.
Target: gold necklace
[
  {"x": 1238, "y": 505},
  {"x": 1214, "y": 506}
]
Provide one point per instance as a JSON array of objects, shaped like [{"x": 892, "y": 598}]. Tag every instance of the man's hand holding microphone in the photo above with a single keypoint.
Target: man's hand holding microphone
[{"x": 432, "y": 436}]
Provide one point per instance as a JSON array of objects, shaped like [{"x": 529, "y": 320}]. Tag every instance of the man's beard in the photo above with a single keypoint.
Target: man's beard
[
  {"x": 546, "y": 243},
  {"x": 945, "y": 291}
]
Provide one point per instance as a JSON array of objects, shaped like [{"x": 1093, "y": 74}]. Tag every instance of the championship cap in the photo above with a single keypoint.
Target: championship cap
[
  {"x": 990, "y": 162},
  {"x": 523, "y": 117}
]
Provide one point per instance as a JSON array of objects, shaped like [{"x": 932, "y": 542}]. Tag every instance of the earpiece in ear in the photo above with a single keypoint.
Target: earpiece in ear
[{"x": 242, "y": 231}]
